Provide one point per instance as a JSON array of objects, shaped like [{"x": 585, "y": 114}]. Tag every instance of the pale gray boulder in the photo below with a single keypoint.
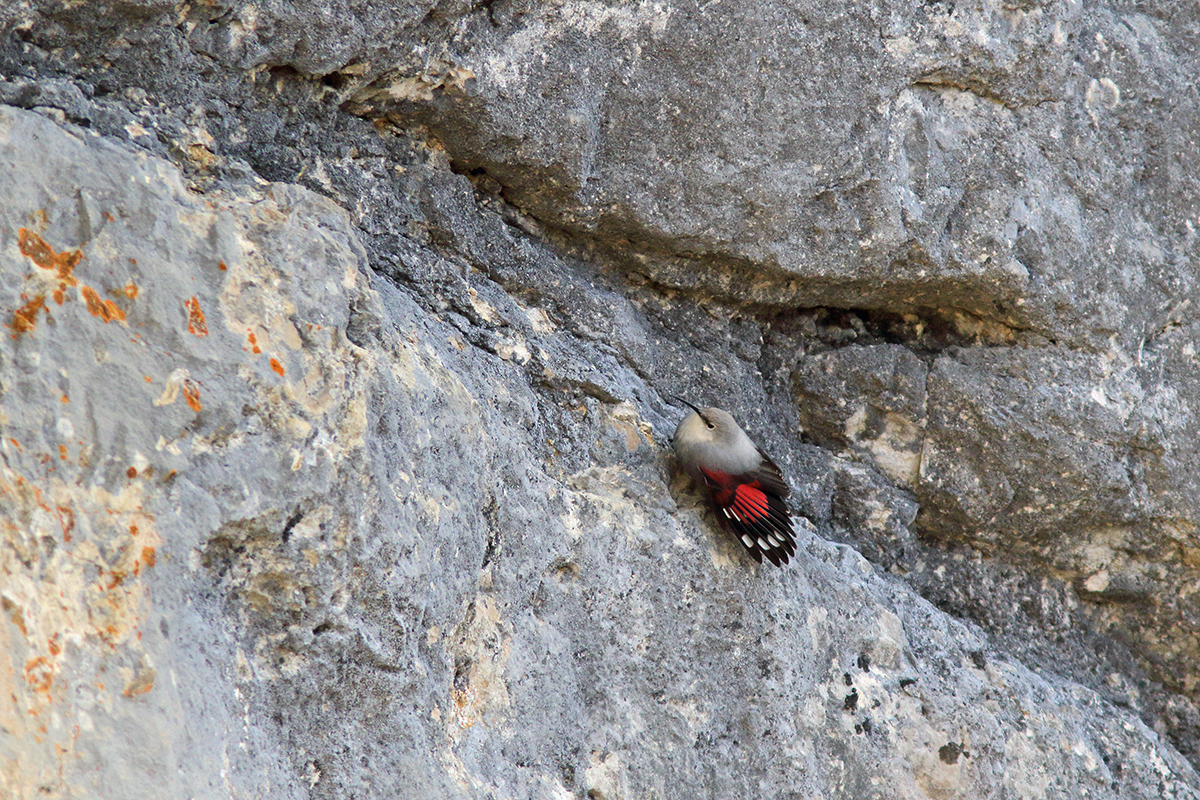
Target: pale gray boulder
[{"x": 339, "y": 469}]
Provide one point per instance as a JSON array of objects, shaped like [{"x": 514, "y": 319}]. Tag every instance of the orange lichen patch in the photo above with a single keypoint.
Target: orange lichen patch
[
  {"x": 66, "y": 520},
  {"x": 131, "y": 290},
  {"x": 192, "y": 395},
  {"x": 95, "y": 305},
  {"x": 275, "y": 365},
  {"x": 42, "y": 254},
  {"x": 131, "y": 472},
  {"x": 252, "y": 341},
  {"x": 39, "y": 674},
  {"x": 79, "y": 605},
  {"x": 147, "y": 379},
  {"x": 62, "y": 452},
  {"x": 65, "y": 399},
  {"x": 148, "y": 556},
  {"x": 25, "y": 317},
  {"x": 142, "y": 683},
  {"x": 23, "y": 492},
  {"x": 82, "y": 589},
  {"x": 221, "y": 266},
  {"x": 196, "y": 324},
  {"x": 15, "y": 443},
  {"x": 109, "y": 217},
  {"x": 106, "y": 310}
]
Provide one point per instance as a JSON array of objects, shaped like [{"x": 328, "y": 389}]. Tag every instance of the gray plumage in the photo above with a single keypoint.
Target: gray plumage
[
  {"x": 745, "y": 487},
  {"x": 711, "y": 437}
]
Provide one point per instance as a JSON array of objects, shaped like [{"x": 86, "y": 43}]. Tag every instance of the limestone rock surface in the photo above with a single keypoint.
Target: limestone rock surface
[{"x": 336, "y": 390}]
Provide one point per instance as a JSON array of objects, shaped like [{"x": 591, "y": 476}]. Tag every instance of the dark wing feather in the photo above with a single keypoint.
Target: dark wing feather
[
  {"x": 771, "y": 477},
  {"x": 756, "y": 513}
]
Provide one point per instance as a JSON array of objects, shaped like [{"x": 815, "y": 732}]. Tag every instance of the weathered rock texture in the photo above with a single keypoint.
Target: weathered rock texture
[{"x": 335, "y": 388}]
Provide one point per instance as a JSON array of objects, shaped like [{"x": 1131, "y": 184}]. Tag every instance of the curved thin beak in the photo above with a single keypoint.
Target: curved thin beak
[{"x": 686, "y": 403}]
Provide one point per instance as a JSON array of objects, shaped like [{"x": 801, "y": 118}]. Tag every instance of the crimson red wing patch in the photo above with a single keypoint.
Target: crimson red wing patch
[
  {"x": 755, "y": 512},
  {"x": 750, "y": 502}
]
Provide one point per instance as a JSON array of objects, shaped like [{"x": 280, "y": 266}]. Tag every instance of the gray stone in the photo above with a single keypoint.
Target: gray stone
[
  {"x": 1037, "y": 455},
  {"x": 347, "y": 579},
  {"x": 397, "y": 518},
  {"x": 869, "y": 400},
  {"x": 964, "y": 161}
]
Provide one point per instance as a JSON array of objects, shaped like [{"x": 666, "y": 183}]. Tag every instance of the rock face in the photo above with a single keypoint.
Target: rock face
[{"x": 337, "y": 371}]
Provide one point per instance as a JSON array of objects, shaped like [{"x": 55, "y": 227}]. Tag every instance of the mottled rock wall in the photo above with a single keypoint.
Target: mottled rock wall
[{"x": 335, "y": 389}]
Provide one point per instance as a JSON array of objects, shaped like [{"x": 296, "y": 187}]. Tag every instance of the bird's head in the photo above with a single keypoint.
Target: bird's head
[{"x": 708, "y": 425}]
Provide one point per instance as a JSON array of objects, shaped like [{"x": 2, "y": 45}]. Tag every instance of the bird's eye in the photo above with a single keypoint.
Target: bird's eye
[{"x": 711, "y": 426}]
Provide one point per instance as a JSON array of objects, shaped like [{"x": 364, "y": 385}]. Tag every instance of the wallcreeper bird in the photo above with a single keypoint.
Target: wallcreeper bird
[{"x": 746, "y": 488}]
